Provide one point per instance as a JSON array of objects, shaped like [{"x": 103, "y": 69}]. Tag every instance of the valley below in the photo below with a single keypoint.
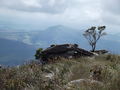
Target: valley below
[{"x": 18, "y": 46}]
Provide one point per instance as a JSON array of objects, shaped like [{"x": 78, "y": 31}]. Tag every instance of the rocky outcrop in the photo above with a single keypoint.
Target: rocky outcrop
[
  {"x": 100, "y": 52},
  {"x": 65, "y": 51}
]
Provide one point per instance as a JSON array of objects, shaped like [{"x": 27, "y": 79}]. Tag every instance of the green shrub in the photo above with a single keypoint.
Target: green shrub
[{"x": 38, "y": 52}]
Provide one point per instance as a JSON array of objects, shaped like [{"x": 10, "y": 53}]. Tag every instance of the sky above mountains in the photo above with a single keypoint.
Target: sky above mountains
[{"x": 35, "y": 14}]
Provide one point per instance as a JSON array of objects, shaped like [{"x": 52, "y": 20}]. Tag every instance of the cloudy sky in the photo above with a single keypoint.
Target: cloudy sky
[{"x": 34, "y": 14}]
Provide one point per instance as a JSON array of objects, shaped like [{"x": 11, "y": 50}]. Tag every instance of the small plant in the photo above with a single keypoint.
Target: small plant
[
  {"x": 38, "y": 53},
  {"x": 52, "y": 45}
]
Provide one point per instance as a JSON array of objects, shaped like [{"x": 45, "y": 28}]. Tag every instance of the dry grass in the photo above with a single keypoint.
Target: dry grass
[{"x": 33, "y": 76}]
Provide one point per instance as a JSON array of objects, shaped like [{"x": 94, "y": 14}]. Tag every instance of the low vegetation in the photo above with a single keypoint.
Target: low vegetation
[{"x": 56, "y": 75}]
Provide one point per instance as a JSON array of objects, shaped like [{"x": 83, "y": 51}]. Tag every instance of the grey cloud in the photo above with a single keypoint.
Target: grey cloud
[
  {"x": 69, "y": 12},
  {"x": 112, "y": 6},
  {"x": 46, "y": 6},
  {"x": 111, "y": 12}
]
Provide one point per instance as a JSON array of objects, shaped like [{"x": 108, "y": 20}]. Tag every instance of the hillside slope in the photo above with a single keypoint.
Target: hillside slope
[
  {"x": 14, "y": 52},
  {"x": 75, "y": 74}
]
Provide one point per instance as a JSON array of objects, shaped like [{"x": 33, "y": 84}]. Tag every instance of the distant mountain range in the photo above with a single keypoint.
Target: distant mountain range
[{"x": 17, "y": 45}]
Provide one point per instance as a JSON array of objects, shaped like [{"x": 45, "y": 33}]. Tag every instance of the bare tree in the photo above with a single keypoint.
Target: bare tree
[{"x": 93, "y": 34}]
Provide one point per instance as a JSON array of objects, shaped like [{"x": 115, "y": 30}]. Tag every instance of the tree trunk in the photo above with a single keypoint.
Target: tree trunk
[{"x": 93, "y": 47}]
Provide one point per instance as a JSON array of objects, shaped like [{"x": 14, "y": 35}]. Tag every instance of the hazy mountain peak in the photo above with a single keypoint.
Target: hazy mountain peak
[{"x": 58, "y": 27}]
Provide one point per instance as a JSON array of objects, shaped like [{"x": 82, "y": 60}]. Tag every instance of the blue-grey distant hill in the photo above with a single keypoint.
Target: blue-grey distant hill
[{"x": 14, "y": 52}]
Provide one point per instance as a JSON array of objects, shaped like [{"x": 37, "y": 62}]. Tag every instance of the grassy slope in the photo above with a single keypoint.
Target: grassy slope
[{"x": 32, "y": 76}]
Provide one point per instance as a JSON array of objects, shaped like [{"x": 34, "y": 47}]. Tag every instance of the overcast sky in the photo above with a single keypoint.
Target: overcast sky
[{"x": 74, "y": 13}]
